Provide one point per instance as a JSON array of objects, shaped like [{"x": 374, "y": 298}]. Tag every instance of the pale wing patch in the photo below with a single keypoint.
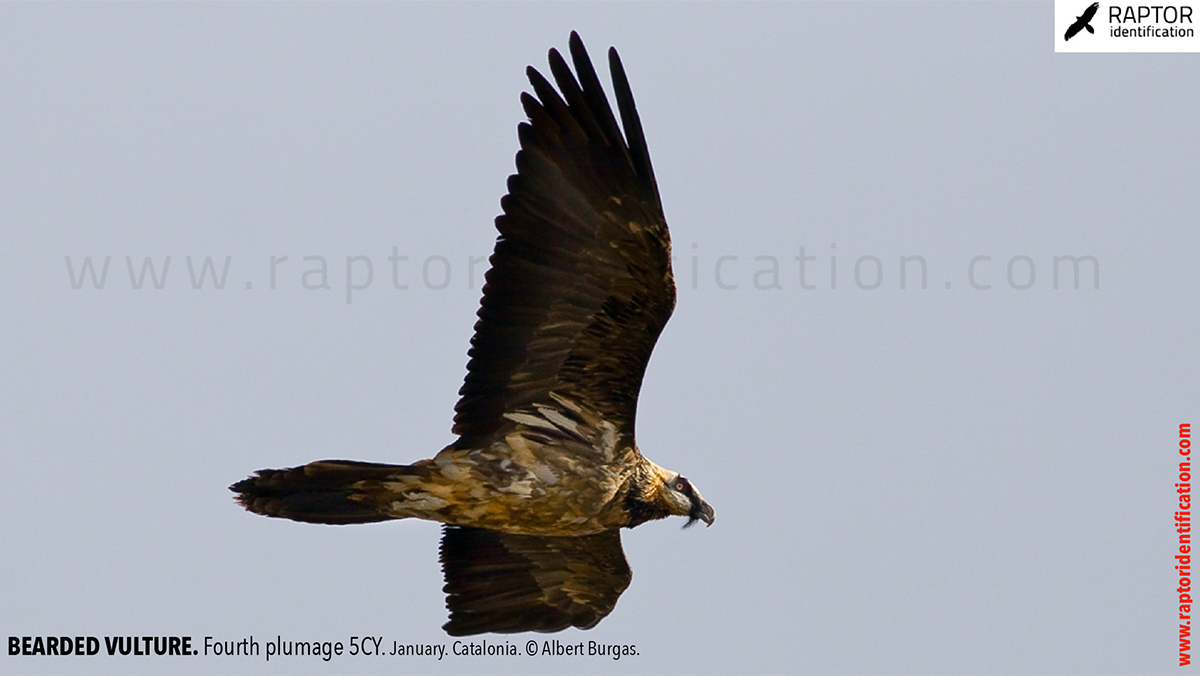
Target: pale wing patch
[
  {"x": 518, "y": 488},
  {"x": 561, "y": 421},
  {"x": 566, "y": 403},
  {"x": 522, "y": 452},
  {"x": 608, "y": 439},
  {"x": 530, "y": 420},
  {"x": 450, "y": 469},
  {"x": 544, "y": 473},
  {"x": 573, "y": 421},
  {"x": 419, "y": 501},
  {"x": 550, "y": 419},
  {"x": 524, "y": 456}
]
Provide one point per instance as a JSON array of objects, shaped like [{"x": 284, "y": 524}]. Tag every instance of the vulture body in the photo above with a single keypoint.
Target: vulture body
[{"x": 545, "y": 469}]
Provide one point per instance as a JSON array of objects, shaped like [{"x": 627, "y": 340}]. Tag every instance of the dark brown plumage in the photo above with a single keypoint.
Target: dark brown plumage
[
  {"x": 580, "y": 285},
  {"x": 545, "y": 469},
  {"x": 505, "y": 583}
]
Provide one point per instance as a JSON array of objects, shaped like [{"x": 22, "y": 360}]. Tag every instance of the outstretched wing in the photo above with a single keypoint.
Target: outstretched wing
[
  {"x": 505, "y": 583},
  {"x": 580, "y": 285}
]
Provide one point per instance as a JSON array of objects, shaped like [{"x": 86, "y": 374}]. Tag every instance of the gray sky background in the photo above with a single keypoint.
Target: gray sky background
[{"x": 907, "y": 479}]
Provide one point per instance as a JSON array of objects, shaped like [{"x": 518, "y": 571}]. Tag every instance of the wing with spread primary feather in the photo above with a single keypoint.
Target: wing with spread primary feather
[{"x": 581, "y": 284}]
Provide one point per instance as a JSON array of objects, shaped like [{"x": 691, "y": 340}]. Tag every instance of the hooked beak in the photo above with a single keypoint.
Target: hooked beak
[{"x": 701, "y": 511}]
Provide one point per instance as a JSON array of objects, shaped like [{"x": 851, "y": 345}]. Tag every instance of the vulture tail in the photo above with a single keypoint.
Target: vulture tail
[{"x": 326, "y": 491}]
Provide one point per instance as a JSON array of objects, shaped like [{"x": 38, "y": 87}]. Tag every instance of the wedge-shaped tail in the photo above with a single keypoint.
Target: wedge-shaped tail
[{"x": 327, "y": 491}]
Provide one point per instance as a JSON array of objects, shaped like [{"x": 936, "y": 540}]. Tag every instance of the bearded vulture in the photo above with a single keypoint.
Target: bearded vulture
[{"x": 545, "y": 470}]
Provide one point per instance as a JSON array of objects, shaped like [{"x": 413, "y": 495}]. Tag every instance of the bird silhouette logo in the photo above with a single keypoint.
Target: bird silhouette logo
[{"x": 1083, "y": 21}]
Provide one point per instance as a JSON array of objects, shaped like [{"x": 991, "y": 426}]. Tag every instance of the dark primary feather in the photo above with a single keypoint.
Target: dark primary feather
[
  {"x": 580, "y": 285},
  {"x": 505, "y": 583}
]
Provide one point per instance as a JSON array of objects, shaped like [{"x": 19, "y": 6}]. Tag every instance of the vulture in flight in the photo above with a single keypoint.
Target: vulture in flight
[{"x": 545, "y": 470}]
